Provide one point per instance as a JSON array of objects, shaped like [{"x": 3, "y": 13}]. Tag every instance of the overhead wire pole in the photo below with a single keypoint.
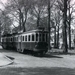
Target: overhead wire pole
[{"x": 49, "y": 27}]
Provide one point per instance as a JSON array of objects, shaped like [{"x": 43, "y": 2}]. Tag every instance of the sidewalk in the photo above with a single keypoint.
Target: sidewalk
[
  {"x": 4, "y": 60},
  {"x": 60, "y": 52}
]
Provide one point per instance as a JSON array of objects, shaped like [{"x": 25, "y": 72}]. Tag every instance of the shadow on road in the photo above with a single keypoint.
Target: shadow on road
[
  {"x": 50, "y": 56},
  {"x": 46, "y": 56},
  {"x": 10, "y": 57},
  {"x": 7, "y": 50},
  {"x": 62, "y": 53}
]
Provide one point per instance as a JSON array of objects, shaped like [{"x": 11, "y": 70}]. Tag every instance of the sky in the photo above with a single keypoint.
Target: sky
[
  {"x": 2, "y": 1},
  {"x": 5, "y": 1}
]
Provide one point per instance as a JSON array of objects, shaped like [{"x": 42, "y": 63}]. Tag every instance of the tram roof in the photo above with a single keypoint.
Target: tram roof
[{"x": 37, "y": 30}]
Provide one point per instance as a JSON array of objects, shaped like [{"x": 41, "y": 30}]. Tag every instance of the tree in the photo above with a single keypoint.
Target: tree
[
  {"x": 49, "y": 12},
  {"x": 61, "y": 7},
  {"x": 65, "y": 26},
  {"x": 49, "y": 21},
  {"x": 5, "y": 22},
  {"x": 69, "y": 19},
  {"x": 38, "y": 10},
  {"x": 19, "y": 10},
  {"x": 57, "y": 19}
]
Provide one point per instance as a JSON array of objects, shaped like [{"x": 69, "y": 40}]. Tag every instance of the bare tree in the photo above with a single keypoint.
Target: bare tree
[
  {"x": 19, "y": 10},
  {"x": 65, "y": 26},
  {"x": 5, "y": 22},
  {"x": 69, "y": 19},
  {"x": 49, "y": 21}
]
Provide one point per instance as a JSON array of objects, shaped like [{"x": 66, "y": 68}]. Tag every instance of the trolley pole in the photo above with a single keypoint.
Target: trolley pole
[{"x": 49, "y": 27}]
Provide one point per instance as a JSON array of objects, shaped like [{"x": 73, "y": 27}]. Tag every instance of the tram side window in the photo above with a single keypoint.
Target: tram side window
[
  {"x": 22, "y": 38},
  {"x": 32, "y": 37},
  {"x": 14, "y": 40},
  {"x": 17, "y": 38},
  {"x": 43, "y": 37},
  {"x": 11, "y": 39},
  {"x": 29, "y": 38},
  {"x": 40, "y": 37},
  {"x": 46, "y": 37},
  {"x": 36, "y": 37},
  {"x": 2, "y": 40},
  {"x": 25, "y": 38},
  {"x": 8, "y": 39}
]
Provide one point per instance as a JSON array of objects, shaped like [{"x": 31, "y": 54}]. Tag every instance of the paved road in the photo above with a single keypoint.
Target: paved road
[
  {"x": 48, "y": 60},
  {"x": 49, "y": 64},
  {"x": 37, "y": 71}
]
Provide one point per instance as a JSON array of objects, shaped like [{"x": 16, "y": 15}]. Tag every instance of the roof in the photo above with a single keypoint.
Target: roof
[{"x": 37, "y": 30}]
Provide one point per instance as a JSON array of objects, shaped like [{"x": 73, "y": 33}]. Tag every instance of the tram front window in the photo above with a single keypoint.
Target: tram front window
[
  {"x": 43, "y": 37},
  {"x": 32, "y": 37},
  {"x": 36, "y": 37},
  {"x": 40, "y": 37},
  {"x": 46, "y": 37}
]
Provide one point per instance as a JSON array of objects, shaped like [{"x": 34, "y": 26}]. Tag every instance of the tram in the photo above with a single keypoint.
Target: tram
[{"x": 34, "y": 40}]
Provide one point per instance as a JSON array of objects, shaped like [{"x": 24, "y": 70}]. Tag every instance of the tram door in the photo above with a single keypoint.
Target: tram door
[{"x": 19, "y": 43}]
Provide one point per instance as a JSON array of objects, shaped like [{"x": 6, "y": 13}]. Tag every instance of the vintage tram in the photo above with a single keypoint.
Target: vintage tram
[{"x": 34, "y": 40}]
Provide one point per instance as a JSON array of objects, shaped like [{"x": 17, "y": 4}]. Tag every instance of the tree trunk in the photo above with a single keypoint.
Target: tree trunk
[
  {"x": 69, "y": 36},
  {"x": 65, "y": 26},
  {"x": 24, "y": 23},
  {"x": 58, "y": 37},
  {"x": 55, "y": 41},
  {"x": 0, "y": 32},
  {"x": 38, "y": 20},
  {"x": 20, "y": 19},
  {"x": 49, "y": 38},
  {"x": 69, "y": 27}
]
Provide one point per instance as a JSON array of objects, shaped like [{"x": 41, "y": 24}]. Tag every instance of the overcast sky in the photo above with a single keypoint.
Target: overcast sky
[{"x": 2, "y": 1}]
